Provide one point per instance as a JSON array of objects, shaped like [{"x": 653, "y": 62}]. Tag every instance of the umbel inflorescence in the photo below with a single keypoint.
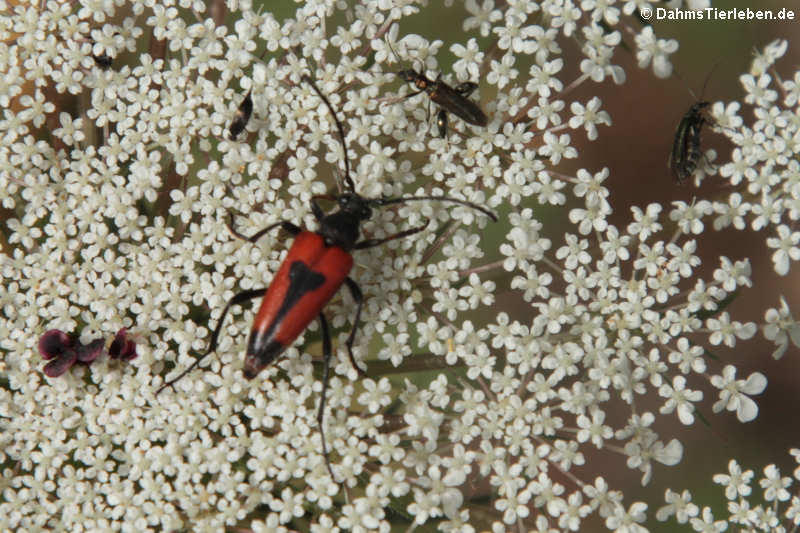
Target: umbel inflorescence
[{"x": 500, "y": 359}]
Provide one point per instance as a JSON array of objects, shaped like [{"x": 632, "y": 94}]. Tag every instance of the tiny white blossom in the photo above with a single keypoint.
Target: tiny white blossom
[
  {"x": 678, "y": 504},
  {"x": 736, "y": 482},
  {"x": 589, "y": 117},
  {"x": 650, "y": 48},
  {"x": 787, "y": 249},
  {"x": 734, "y": 394}
]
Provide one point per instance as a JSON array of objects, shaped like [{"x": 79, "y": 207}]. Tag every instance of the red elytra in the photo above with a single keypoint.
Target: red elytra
[{"x": 306, "y": 281}]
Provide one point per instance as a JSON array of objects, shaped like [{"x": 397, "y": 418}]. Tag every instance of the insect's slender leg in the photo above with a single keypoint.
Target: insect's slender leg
[
  {"x": 441, "y": 123},
  {"x": 212, "y": 345},
  {"x": 428, "y": 111},
  {"x": 358, "y": 296},
  {"x": 288, "y": 226},
  {"x": 316, "y": 210},
  {"x": 371, "y": 243},
  {"x": 409, "y": 95},
  {"x": 326, "y": 366}
]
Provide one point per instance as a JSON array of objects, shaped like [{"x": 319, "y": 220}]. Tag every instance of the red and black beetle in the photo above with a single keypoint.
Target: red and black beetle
[{"x": 316, "y": 266}]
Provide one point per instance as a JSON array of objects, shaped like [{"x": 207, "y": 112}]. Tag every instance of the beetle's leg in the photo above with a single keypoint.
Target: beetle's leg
[
  {"x": 212, "y": 345},
  {"x": 441, "y": 123},
  {"x": 326, "y": 366},
  {"x": 358, "y": 296},
  {"x": 371, "y": 243},
  {"x": 428, "y": 111},
  {"x": 407, "y": 96},
  {"x": 316, "y": 209},
  {"x": 287, "y": 226},
  {"x": 391, "y": 100}
]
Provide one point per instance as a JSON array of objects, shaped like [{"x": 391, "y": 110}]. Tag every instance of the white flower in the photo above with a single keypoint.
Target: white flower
[
  {"x": 734, "y": 393},
  {"x": 736, "y": 482},
  {"x": 483, "y": 15},
  {"x": 725, "y": 331},
  {"x": 787, "y": 249},
  {"x": 780, "y": 328},
  {"x": 774, "y": 485},
  {"x": 375, "y": 395},
  {"x": 555, "y": 147},
  {"x": 645, "y": 222},
  {"x": 589, "y": 117},
  {"x": 623, "y": 521},
  {"x": 678, "y": 504},
  {"x": 542, "y": 78},
  {"x": 680, "y": 398},
  {"x": 470, "y": 57},
  {"x": 650, "y": 48}
]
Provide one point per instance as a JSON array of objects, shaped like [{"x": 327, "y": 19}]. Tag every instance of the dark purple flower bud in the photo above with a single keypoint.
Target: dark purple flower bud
[
  {"x": 65, "y": 351},
  {"x": 61, "y": 364},
  {"x": 123, "y": 347},
  {"x": 54, "y": 343},
  {"x": 89, "y": 352}
]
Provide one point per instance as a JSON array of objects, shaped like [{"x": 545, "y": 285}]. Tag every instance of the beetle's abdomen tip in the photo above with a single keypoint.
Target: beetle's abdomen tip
[{"x": 257, "y": 360}]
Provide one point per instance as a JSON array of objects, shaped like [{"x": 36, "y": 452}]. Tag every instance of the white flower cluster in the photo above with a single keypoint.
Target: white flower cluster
[
  {"x": 764, "y": 171},
  {"x": 775, "y": 508},
  {"x": 119, "y": 176}
]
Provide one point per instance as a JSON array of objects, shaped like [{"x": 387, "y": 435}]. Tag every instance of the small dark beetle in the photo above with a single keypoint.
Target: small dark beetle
[
  {"x": 686, "y": 151},
  {"x": 452, "y": 99},
  {"x": 241, "y": 117}
]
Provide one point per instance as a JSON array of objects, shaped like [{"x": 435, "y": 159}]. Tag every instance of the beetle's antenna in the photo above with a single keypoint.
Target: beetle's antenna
[
  {"x": 703, "y": 90},
  {"x": 402, "y": 63},
  {"x": 404, "y": 199},
  {"x": 708, "y": 78},
  {"x": 348, "y": 181},
  {"x": 389, "y": 44}
]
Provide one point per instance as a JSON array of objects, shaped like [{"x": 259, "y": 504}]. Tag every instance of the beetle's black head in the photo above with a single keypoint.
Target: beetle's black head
[{"x": 355, "y": 205}]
